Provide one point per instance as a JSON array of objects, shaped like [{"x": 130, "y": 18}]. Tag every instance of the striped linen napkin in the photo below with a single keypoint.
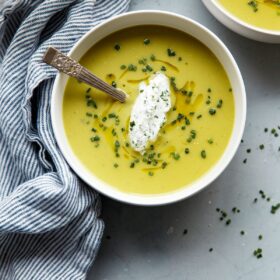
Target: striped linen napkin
[{"x": 49, "y": 224}]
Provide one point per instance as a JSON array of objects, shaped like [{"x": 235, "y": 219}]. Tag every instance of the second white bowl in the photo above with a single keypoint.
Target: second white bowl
[{"x": 239, "y": 26}]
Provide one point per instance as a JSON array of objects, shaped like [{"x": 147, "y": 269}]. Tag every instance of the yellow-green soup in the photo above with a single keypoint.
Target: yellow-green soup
[
  {"x": 198, "y": 125},
  {"x": 260, "y": 13}
]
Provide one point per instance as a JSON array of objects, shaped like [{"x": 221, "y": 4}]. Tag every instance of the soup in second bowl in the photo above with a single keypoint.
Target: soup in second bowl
[
  {"x": 260, "y": 13},
  {"x": 177, "y": 120}
]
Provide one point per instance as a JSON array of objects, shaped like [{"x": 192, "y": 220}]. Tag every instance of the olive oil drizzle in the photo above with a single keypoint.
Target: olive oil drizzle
[{"x": 159, "y": 155}]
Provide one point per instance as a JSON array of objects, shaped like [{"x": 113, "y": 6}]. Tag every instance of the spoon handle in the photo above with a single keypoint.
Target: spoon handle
[{"x": 70, "y": 67}]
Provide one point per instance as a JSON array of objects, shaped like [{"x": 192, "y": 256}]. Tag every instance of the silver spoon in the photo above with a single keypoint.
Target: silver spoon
[{"x": 70, "y": 67}]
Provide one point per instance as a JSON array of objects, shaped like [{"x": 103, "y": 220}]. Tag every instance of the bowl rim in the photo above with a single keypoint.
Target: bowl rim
[
  {"x": 239, "y": 21},
  {"x": 182, "y": 192}
]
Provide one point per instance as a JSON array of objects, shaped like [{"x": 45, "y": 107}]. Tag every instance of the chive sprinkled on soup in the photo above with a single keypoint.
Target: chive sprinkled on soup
[
  {"x": 260, "y": 13},
  {"x": 175, "y": 124}
]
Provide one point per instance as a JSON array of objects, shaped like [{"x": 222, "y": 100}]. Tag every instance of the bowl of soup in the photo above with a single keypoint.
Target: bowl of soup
[
  {"x": 183, "y": 119},
  {"x": 254, "y": 19}
]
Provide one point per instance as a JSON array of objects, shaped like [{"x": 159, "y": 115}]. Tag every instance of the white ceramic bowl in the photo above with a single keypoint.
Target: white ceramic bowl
[
  {"x": 165, "y": 19},
  {"x": 239, "y": 26}
]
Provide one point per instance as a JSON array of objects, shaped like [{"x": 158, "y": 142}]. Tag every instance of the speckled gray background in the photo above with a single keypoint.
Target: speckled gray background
[{"x": 148, "y": 243}]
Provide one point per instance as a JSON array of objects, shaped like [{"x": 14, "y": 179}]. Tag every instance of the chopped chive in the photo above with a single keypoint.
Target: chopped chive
[
  {"x": 149, "y": 68},
  {"x": 254, "y": 5},
  {"x": 112, "y": 115},
  {"x": 228, "y": 222},
  {"x": 117, "y": 47},
  {"x": 91, "y": 103},
  {"x": 175, "y": 156},
  {"x": 203, "y": 154},
  {"x": 187, "y": 121},
  {"x": 132, "y": 67},
  {"x": 142, "y": 61},
  {"x": 274, "y": 208},
  {"x": 220, "y": 103},
  {"x": 171, "y": 52},
  {"x": 117, "y": 144},
  {"x": 132, "y": 124},
  {"x": 212, "y": 111},
  {"x": 258, "y": 253},
  {"x": 96, "y": 138},
  {"x": 147, "y": 41},
  {"x": 189, "y": 140}
]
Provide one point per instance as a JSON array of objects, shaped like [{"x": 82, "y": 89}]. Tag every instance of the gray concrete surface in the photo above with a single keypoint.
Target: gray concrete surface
[{"x": 148, "y": 243}]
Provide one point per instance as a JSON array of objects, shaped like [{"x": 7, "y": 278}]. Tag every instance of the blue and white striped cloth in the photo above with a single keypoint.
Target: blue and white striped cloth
[{"x": 49, "y": 219}]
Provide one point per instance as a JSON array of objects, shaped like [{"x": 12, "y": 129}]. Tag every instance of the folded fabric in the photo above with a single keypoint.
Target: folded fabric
[{"x": 49, "y": 220}]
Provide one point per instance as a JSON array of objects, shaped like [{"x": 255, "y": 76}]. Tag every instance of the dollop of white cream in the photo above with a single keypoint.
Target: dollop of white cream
[{"x": 148, "y": 113}]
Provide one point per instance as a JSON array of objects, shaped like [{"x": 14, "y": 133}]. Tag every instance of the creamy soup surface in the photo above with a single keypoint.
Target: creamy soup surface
[
  {"x": 198, "y": 125},
  {"x": 260, "y": 13}
]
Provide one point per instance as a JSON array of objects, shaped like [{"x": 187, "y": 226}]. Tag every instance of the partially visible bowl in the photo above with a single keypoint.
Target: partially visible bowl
[
  {"x": 174, "y": 21},
  {"x": 239, "y": 26}
]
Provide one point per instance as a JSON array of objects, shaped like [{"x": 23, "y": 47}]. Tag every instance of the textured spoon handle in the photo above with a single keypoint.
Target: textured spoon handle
[{"x": 69, "y": 66}]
